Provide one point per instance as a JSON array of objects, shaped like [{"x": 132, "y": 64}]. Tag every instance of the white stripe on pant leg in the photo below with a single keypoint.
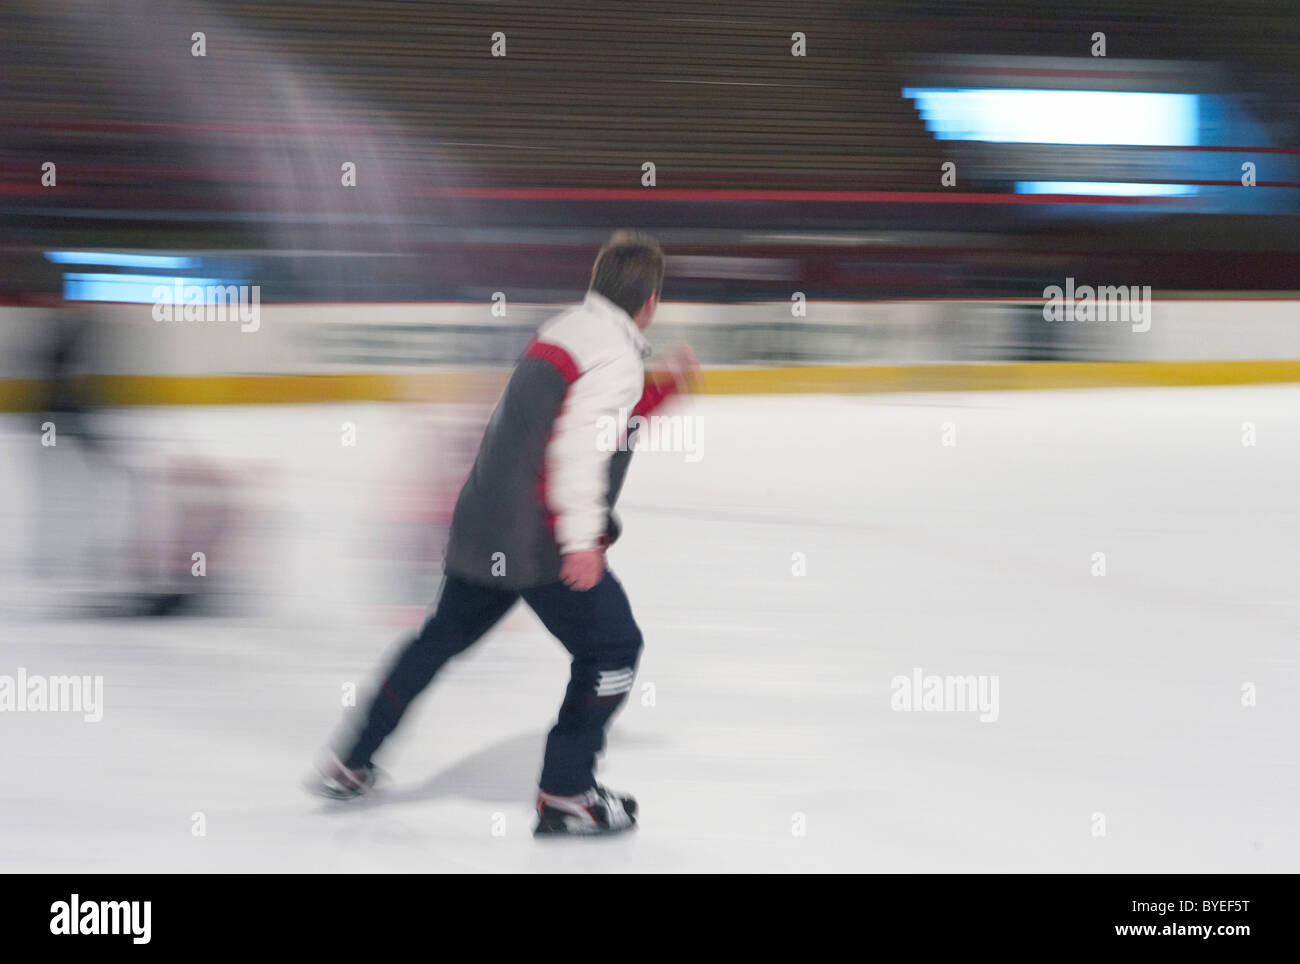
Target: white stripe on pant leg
[{"x": 612, "y": 682}]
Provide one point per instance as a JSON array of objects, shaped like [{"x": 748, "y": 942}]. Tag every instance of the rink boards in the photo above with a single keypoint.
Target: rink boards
[{"x": 307, "y": 353}]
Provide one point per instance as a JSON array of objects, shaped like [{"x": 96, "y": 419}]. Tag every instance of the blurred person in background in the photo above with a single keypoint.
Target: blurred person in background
[
  {"x": 533, "y": 521},
  {"x": 121, "y": 510},
  {"x": 74, "y": 455}
]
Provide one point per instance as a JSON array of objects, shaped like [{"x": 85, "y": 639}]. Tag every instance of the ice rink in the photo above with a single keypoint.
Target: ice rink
[{"x": 820, "y": 547}]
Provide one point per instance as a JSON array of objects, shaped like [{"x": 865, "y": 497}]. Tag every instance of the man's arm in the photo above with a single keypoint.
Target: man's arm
[
  {"x": 577, "y": 473},
  {"x": 577, "y": 461}
]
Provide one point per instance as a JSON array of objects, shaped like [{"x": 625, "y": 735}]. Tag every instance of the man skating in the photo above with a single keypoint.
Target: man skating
[{"x": 533, "y": 522}]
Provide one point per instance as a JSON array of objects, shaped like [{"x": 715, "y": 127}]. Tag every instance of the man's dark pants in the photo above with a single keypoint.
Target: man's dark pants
[{"x": 595, "y": 626}]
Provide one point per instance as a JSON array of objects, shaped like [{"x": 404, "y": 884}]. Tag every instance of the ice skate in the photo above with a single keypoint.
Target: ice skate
[
  {"x": 598, "y": 811},
  {"x": 339, "y": 782}
]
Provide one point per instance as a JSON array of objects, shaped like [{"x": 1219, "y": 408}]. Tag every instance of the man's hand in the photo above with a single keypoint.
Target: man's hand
[
  {"x": 582, "y": 570},
  {"x": 680, "y": 362}
]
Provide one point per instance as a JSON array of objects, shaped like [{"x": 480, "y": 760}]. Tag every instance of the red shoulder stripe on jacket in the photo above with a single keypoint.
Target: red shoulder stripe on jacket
[{"x": 557, "y": 356}]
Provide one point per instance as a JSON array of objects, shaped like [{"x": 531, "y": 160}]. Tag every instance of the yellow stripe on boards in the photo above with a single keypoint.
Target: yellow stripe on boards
[{"x": 26, "y": 395}]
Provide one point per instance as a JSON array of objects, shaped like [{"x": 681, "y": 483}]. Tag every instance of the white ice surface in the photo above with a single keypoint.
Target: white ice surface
[{"x": 1119, "y": 695}]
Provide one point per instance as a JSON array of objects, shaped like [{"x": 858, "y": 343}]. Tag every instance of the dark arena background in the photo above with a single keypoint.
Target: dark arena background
[{"x": 974, "y": 550}]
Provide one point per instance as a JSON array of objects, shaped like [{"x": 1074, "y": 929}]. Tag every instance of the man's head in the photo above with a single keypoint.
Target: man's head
[{"x": 629, "y": 271}]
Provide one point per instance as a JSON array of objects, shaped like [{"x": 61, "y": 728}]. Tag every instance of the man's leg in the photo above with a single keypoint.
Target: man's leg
[
  {"x": 465, "y": 612},
  {"x": 597, "y": 627}
]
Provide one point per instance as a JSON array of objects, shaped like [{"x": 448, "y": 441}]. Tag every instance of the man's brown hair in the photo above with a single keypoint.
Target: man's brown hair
[{"x": 628, "y": 270}]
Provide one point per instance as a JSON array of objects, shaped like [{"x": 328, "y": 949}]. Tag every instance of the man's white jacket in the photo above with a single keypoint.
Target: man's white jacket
[{"x": 555, "y": 451}]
